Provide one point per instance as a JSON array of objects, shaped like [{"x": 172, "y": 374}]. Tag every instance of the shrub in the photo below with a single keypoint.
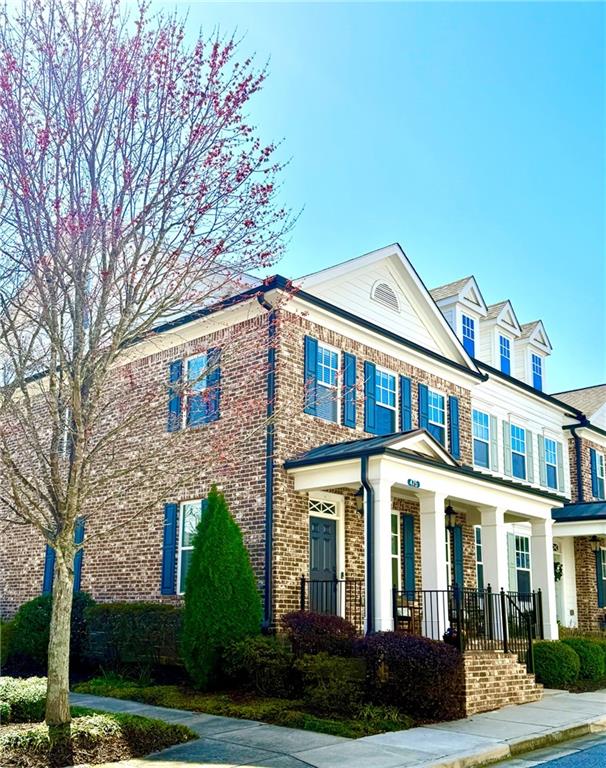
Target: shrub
[
  {"x": 261, "y": 664},
  {"x": 6, "y": 631},
  {"x": 133, "y": 637},
  {"x": 5, "y": 712},
  {"x": 332, "y": 684},
  {"x": 25, "y": 697},
  {"x": 311, "y": 632},
  {"x": 31, "y": 626},
  {"x": 590, "y": 655},
  {"x": 556, "y": 664},
  {"x": 222, "y": 603},
  {"x": 423, "y": 678}
]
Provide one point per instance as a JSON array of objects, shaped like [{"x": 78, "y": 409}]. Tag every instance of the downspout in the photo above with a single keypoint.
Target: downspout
[
  {"x": 577, "y": 456},
  {"x": 269, "y": 464},
  {"x": 370, "y": 503}
]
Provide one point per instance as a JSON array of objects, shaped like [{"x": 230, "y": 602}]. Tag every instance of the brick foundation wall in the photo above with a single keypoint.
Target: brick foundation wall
[{"x": 494, "y": 679}]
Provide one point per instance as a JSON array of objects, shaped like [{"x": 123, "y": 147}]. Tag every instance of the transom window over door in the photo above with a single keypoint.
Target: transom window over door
[
  {"x": 523, "y": 564},
  {"x": 436, "y": 412},
  {"x": 518, "y": 452},
  {"x": 505, "y": 354},
  {"x": 469, "y": 335},
  {"x": 551, "y": 463},
  {"x": 481, "y": 439},
  {"x": 385, "y": 392},
  {"x": 327, "y": 403}
]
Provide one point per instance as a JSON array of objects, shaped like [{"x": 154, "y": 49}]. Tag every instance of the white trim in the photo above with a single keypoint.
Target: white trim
[
  {"x": 398, "y": 556},
  {"x": 337, "y": 386},
  {"x": 180, "y": 547},
  {"x": 444, "y": 426},
  {"x": 395, "y": 407}
]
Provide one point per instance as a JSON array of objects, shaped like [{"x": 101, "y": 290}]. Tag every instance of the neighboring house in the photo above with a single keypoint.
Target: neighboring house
[{"x": 343, "y": 416}]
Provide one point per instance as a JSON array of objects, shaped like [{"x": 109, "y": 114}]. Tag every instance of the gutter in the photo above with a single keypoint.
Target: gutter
[
  {"x": 370, "y": 504},
  {"x": 269, "y": 464}
]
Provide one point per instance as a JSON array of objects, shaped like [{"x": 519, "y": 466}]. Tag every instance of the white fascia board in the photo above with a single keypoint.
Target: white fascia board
[
  {"x": 344, "y": 327},
  {"x": 334, "y": 474},
  {"x": 580, "y": 528},
  {"x": 594, "y": 437}
]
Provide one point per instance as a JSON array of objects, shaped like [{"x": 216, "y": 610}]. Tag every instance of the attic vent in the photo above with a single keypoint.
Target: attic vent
[{"x": 384, "y": 294}]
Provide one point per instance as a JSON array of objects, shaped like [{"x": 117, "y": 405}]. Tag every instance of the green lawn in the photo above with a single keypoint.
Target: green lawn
[{"x": 287, "y": 712}]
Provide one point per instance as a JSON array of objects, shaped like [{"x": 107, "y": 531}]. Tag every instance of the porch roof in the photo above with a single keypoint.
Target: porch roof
[
  {"x": 583, "y": 511},
  {"x": 394, "y": 445}
]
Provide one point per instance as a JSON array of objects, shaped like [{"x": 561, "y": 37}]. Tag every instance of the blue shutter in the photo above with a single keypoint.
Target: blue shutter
[
  {"x": 458, "y": 556},
  {"x": 370, "y": 397},
  {"x": 213, "y": 382},
  {"x": 169, "y": 549},
  {"x": 408, "y": 554},
  {"x": 310, "y": 373},
  {"x": 595, "y": 491},
  {"x": 423, "y": 407},
  {"x": 349, "y": 390},
  {"x": 405, "y": 404},
  {"x": 599, "y": 578},
  {"x": 175, "y": 371},
  {"x": 453, "y": 427},
  {"x": 78, "y": 539},
  {"x": 49, "y": 570}
]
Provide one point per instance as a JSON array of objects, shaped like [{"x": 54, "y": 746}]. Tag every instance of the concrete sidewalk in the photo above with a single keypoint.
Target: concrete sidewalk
[{"x": 227, "y": 743}]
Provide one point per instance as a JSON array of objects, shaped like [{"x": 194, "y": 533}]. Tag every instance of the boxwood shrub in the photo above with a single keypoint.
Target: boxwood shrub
[
  {"x": 590, "y": 655},
  {"x": 31, "y": 627},
  {"x": 133, "y": 637},
  {"x": 261, "y": 664},
  {"x": 423, "y": 678},
  {"x": 311, "y": 632},
  {"x": 556, "y": 663},
  {"x": 24, "y": 698},
  {"x": 6, "y": 631}
]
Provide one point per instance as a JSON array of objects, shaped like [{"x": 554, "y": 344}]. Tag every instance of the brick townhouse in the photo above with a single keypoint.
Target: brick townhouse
[{"x": 375, "y": 440}]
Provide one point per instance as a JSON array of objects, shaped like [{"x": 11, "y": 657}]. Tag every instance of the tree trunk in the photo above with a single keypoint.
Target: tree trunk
[{"x": 57, "y": 690}]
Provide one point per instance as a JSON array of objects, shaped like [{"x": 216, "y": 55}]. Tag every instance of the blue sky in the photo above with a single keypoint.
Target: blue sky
[{"x": 470, "y": 133}]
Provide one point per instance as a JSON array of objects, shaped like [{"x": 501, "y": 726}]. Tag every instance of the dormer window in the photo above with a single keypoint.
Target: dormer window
[
  {"x": 505, "y": 354},
  {"x": 469, "y": 335},
  {"x": 384, "y": 294},
  {"x": 537, "y": 372}
]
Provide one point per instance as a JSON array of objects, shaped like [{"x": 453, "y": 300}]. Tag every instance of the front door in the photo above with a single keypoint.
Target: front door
[{"x": 323, "y": 565}]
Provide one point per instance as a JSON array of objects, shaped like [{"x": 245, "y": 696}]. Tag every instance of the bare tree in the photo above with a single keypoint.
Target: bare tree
[{"x": 132, "y": 189}]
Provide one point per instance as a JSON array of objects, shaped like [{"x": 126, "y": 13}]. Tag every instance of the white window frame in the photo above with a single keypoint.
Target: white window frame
[
  {"x": 180, "y": 547},
  {"x": 472, "y": 325},
  {"x": 336, "y": 386},
  {"x": 339, "y": 516},
  {"x": 444, "y": 426},
  {"x": 387, "y": 372},
  {"x": 481, "y": 439},
  {"x": 512, "y": 426},
  {"x": 398, "y": 537},
  {"x": 501, "y": 346},
  {"x": 526, "y": 554},
  {"x": 553, "y": 463},
  {"x": 541, "y": 369},
  {"x": 188, "y": 394}
]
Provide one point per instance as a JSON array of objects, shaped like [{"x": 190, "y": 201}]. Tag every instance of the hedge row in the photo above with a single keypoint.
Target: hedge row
[{"x": 560, "y": 663}]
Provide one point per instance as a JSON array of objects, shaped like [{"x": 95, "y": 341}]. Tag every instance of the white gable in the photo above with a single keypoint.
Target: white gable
[
  {"x": 383, "y": 288},
  {"x": 508, "y": 319},
  {"x": 422, "y": 442},
  {"x": 470, "y": 296}
]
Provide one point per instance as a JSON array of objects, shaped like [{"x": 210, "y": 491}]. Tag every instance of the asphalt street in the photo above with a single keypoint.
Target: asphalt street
[{"x": 588, "y": 752}]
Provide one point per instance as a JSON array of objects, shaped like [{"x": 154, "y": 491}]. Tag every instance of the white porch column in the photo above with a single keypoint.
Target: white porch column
[
  {"x": 383, "y": 602},
  {"x": 541, "y": 554},
  {"x": 433, "y": 564},
  {"x": 494, "y": 549}
]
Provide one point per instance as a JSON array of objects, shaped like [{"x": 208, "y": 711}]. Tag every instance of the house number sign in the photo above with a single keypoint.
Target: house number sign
[{"x": 414, "y": 483}]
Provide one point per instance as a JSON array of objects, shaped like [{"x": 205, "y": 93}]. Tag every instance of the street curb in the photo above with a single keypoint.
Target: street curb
[{"x": 506, "y": 750}]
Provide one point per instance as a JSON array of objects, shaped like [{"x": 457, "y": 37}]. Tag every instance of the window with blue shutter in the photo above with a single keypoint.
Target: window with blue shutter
[
  {"x": 481, "y": 439},
  {"x": 175, "y": 371},
  {"x": 204, "y": 388},
  {"x": 408, "y": 555},
  {"x": 518, "y": 452},
  {"x": 405, "y": 404},
  {"x": 190, "y": 515},
  {"x": 436, "y": 416},
  {"x": 49, "y": 570},
  {"x": 600, "y": 571},
  {"x": 310, "y": 368},
  {"x": 370, "y": 397},
  {"x": 349, "y": 390},
  {"x": 169, "y": 549},
  {"x": 469, "y": 335},
  {"x": 327, "y": 379},
  {"x": 453, "y": 422},
  {"x": 505, "y": 354},
  {"x": 597, "y": 473},
  {"x": 78, "y": 557},
  {"x": 459, "y": 571},
  {"x": 385, "y": 402},
  {"x": 537, "y": 372},
  {"x": 423, "y": 406}
]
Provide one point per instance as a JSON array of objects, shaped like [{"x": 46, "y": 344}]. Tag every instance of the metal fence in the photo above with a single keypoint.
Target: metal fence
[{"x": 337, "y": 597}]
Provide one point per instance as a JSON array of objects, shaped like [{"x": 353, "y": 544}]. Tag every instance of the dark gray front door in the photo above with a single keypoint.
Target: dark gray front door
[{"x": 323, "y": 565}]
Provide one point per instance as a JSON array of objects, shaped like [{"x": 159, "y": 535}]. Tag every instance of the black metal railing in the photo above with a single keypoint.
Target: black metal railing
[
  {"x": 337, "y": 597},
  {"x": 472, "y": 619}
]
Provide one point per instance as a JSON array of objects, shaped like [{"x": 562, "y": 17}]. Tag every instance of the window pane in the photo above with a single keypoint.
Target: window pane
[
  {"x": 326, "y": 402},
  {"x": 395, "y": 577},
  {"x": 196, "y": 372},
  {"x": 480, "y": 576},
  {"x": 518, "y": 466},
  {"x": 469, "y": 335},
  {"x": 185, "y": 561},
  {"x": 537, "y": 372},
  {"x": 328, "y": 366},
  {"x": 435, "y": 403},
  {"x": 190, "y": 517},
  {"x": 386, "y": 420},
  {"x": 386, "y": 389},
  {"x": 524, "y": 582},
  {"x": 481, "y": 428},
  {"x": 550, "y": 451},
  {"x": 438, "y": 432},
  {"x": 480, "y": 454},
  {"x": 518, "y": 439},
  {"x": 552, "y": 477}
]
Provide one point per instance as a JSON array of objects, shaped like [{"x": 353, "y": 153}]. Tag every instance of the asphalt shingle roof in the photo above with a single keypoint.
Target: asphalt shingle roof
[
  {"x": 450, "y": 289},
  {"x": 494, "y": 309},
  {"x": 588, "y": 399}
]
